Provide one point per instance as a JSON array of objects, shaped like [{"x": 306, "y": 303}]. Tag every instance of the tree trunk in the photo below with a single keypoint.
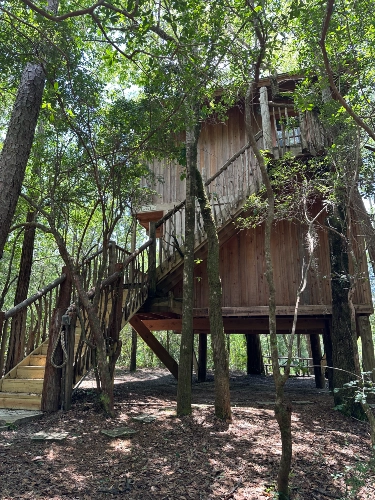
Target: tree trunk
[
  {"x": 17, "y": 145},
  {"x": 282, "y": 410},
  {"x": 255, "y": 364},
  {"x": 105, "y": 381},
  {"x": 344, "y": 339},
  {"x": 19, "y": 139},
  {"x": 187, "y": 333},
  {"x": 16, "y": 348},
  {"x": 219, "y": 351}
]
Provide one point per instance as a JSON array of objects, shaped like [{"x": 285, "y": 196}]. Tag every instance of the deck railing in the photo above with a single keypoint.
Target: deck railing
[
  {"x": 227, "y": 191},
  {"x": 31, "y": 319}
]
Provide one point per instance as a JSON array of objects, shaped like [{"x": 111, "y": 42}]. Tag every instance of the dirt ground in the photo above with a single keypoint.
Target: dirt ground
[{"x": 196, "y": 457}]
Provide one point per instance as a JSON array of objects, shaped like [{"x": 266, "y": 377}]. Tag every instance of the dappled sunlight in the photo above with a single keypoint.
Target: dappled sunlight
[{"x": 197, "y": 457}]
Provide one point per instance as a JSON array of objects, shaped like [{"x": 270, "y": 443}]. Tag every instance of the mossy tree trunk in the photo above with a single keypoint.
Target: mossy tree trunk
[
  {"x": 283, "y": 411},
  {"x": 220, "y": 354},
  {"x": 344, "y": 338},
  {"x": 187, "y": 332}
]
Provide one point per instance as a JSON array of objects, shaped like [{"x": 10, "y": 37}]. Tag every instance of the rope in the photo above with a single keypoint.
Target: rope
[{"x": 60, "y": 337}]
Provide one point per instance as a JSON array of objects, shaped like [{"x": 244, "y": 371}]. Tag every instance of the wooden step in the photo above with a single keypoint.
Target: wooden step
[
  {"x": 20, "y": 401},
  {"x": 27, "y": 372},
  {"x": 44, "y": 349},
  {"x": 33, "y": 386},
  {"x": 37, "y": 360}
]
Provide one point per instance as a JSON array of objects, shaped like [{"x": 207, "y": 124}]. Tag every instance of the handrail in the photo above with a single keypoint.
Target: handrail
[
  {"x": 22, "y": 305},
  {"x": 169, "y": 214},
  {"x": 138, "y": 251},
  {"x": 108, "y": 281},
  {"x": 231, "y": 160}
]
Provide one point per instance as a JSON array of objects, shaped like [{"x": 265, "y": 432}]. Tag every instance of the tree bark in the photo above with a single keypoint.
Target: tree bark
[
  {"x": 282, "y": 409},
  {"x": 16, "y": 348},
  {"x": 344, "y": 346},
  {"x": 187, "y": 333},
  {"x": 19, "y": 139},
  {"x": 219, "y": 351},
  {"x": 17, "y": 145}
]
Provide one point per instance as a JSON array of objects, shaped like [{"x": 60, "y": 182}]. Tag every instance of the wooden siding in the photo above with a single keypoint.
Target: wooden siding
[{"x": 242, "y": 269}]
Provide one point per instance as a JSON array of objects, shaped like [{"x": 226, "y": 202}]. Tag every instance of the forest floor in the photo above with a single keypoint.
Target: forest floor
[{"x": 196, "y": 457}]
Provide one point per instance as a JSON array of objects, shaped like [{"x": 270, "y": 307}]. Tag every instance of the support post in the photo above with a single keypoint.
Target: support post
[
  {"x": 266, "y": 120},
  {"x": 111, "y": 257},
  {"x": 133, "y": 352},
  {"x": 152, "y": 262},
  {"x": 68, "y": 368},
  {"x": 255, "y": 364},
  {"x": 316, "y": 352},
  {"x": 155, "y": 345},
  {"x": 116, "y": 320},
  {"x": 328, "y": 352},
  {"x": 3, "y": 335},
  {"x": 368, "y": 359},
  {"x": 52, "y": 377},
  {"x": 202, "y": 357}
]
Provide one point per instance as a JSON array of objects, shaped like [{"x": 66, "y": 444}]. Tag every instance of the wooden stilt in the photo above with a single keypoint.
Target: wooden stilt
[
  {"x": 155, "y": 345},
  {"x": 328, "y": 352},
  {"x": 202, "y": 357},
  {"x": 255, "y": 364},
  {"x": 368, "y": 359},
  {"x": 316, "y": 352}
]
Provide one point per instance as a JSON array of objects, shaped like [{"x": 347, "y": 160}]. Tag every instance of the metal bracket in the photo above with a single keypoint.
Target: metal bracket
[{"x": 65, "y": 320}]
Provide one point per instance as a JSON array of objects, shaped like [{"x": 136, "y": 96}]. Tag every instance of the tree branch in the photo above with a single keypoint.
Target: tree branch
[
  {"x": 329, "y": 72},
  {"x": 57, "y": 19}
]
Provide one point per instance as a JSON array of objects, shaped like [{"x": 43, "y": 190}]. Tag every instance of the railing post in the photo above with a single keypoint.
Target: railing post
[
  {"x": 3, "y": 335},
  {"x": 152, "y": 262},
  {"x": 69, "y": 368},
  {"x": 266, "y": 120},
  {"x": 116, "y": 319},
  {"x": 51, "y": 395},
  {"x": 111, "y": 257}
]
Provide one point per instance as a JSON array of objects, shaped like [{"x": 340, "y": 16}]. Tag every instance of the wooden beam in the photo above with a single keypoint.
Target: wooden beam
[
  {"x": 202, "y": 358},
  {"x": 155, "y": 345},
  {"x": 238, "y": 325}
]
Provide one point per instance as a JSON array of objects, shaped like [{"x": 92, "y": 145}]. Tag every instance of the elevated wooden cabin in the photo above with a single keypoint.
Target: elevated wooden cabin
[{"x": 231, "y": 174}]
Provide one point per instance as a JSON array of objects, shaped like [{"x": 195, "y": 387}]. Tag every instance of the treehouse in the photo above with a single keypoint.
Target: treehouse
[
  {"x": 231, "y": 174},
  {"x": 145, "y": 287}
]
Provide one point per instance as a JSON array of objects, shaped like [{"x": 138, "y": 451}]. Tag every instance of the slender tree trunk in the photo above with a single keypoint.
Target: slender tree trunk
[
  {"x": 283, "y": 410},
  {"x": 187, "y": 333},
  {"x": 16, "y": 348},
  {"x": 19, "y": 139},
  {"x": 103, "y": 368},
  {"x": 220, "y": 354}
]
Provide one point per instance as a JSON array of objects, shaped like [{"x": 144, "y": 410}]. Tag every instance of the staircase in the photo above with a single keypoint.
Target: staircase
[
  {"x": 21, "y": 388},
  {"x": 228, "y": 189}
]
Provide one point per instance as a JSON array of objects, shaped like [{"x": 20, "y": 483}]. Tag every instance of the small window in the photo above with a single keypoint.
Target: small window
[{"x": 289, "y": 130}]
